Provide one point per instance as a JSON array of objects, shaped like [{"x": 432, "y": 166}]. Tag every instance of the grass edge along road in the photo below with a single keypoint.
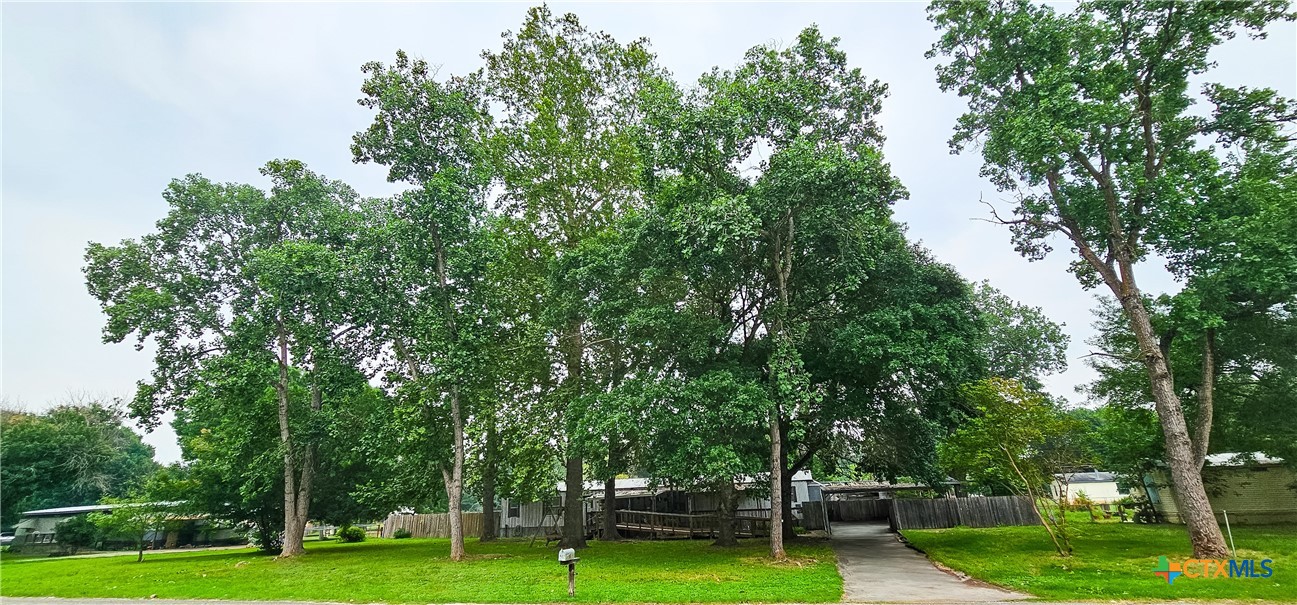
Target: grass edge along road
[
  {"x": 420, "y": 571},
  {"x": 1111, "y": 561}
]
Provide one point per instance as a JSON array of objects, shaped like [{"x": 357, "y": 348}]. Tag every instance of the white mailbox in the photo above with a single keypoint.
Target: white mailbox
[{"x": 567, "y": 555}]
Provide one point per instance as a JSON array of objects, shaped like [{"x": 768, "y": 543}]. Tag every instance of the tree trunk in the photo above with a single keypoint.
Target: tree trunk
[
  {"x": 1186, "y": 478},
  {"x": 573, "y": 507},
  {"x": 292, "y": 531},
  {"x": 455, "y": 480},
  {"x": 610, "y": 499},
  {"x": 1035, "y": 506},
  {"x": 776, "y": 489},
  {"x": 725, "y": 516},
  {"x": 610, "y": 532},
  {"x": 1206, "y": 391},
  {"x": 489, "y": 464},
  {"x": 786, "y": 485}
]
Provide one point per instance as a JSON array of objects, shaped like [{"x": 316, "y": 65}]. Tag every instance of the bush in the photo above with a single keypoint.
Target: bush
[
  {"x": 75, "y": 534},
  {"x": 1147, "y": 514},
  {"x": 351, "y": 533},
  {"x": 402, "y": 533},
  {"x": 266, "y": 538}
]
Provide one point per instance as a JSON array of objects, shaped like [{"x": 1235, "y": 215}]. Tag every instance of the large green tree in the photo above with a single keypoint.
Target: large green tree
[
  {"x": 70, "y": 455},
  {"x": 1087, "y": 117},
  {"x": 825, "y": 265},
  {"x": 787, "y": 271},
  {"x": 234, "y": 270},
  {"x": 566, "y": 150},
  {"x": 681, "y": 404},
  {"x": 429, "y": 253}
]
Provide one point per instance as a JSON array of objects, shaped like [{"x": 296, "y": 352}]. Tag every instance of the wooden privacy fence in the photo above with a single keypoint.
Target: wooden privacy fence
[
  {"x": 940, "y": 513},
  {"x": 859, "y": 510},
  {"x": 431, "y": 526}
]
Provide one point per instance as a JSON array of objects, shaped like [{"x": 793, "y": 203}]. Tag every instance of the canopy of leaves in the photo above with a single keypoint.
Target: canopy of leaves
[
  {"x": 70, "y": 455},
  {"x": 1021, "y": 343},
  {"x": 1087, "y": 115}
]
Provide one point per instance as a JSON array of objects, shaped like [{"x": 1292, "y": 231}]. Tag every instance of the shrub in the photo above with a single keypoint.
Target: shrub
[
  {"x": 266, "y": 538},
  {"x": 1147, "y": 514},
  {"x": 351, "y": 533},
  {"x": 75, "y": 534},
  {"x": 402, "y": 533},
  {"x": 1082, "y": 501}
]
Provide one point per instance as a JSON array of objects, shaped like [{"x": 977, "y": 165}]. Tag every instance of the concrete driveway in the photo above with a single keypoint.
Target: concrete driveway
[{"x": 877, "y": 568}]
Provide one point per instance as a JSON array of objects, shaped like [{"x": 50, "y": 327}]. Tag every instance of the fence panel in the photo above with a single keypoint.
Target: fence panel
[
  {"x": 432, "y": 525},
  {"x": 859, "y": 510},
  {"x": 940, "y": 513},
  {"x": 813, "y": 515}
]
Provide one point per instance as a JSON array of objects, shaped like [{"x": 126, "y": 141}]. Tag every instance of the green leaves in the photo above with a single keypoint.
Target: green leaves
[
  {"x": 1020, "y": 342},
  {"x": 1016, "y": 437},
  {"x": 567, "y": 145},
  {"x": 1088, "y": 114},
  {"x": 424, "y": 130}
]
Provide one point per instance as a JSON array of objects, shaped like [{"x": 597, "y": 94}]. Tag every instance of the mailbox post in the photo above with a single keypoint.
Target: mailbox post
[{"x": 567, "y": 556}]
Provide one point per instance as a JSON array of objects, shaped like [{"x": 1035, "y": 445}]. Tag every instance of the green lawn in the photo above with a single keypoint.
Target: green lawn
[
  {"x": 1112, "y": 561},
  {"x": 418, "y": 571}
]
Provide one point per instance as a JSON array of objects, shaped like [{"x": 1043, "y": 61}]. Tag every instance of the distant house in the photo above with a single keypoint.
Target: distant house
[
  {"x": 1251, "y": 488},
  {"x": 38, "y": 527},
  {"x": 640, "y": 494},
  {"x": 1099, "y": 486}
]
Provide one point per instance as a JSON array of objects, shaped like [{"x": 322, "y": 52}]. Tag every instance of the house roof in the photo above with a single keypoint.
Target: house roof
[
  {"x": 846, "y": 487},
  {"x": 67, "y": 511},
  {"x": 643, "y": 486},
  {"x": 1090, "y": 477},
  {"x": 1241, "y": 459}
]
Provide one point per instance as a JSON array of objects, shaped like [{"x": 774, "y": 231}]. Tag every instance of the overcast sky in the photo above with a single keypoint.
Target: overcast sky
[{"x": 105, "y": 103}]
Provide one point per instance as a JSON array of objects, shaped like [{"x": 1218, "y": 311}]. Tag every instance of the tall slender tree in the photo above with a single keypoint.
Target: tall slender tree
[
  {"x": 1086, "y": 116},
  {"x": 566, "y": 149},
  {"x": 432, "y": 135}
]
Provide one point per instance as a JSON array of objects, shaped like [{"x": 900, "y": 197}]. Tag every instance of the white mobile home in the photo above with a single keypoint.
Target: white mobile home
[{"x": 1100, "y": 487}]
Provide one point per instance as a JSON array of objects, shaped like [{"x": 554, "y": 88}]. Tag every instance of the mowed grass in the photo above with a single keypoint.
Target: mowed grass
[
  {"x": 1111, "y": 561},
  {"x": 420, "y": 571}
]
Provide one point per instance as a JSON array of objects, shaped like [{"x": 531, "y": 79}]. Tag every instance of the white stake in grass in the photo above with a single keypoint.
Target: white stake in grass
[{"x": 1231, "y": 533}]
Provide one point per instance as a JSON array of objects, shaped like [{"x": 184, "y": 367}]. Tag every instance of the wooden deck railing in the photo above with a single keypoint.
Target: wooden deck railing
[{"x": 676, "y": 525}]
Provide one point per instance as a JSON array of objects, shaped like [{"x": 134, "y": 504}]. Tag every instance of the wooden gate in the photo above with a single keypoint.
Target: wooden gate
[{"x": 859, "y": 510}]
